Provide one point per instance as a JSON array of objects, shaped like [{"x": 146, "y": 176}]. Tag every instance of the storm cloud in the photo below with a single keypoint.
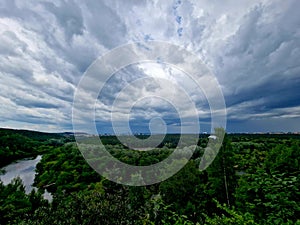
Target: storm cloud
[{"x": 252, "y": 47}]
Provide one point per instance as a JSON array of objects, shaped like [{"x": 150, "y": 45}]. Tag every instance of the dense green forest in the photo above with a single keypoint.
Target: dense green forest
[
  {"x": 253, "y": 180},
  {"x": 19, "y": 144}
]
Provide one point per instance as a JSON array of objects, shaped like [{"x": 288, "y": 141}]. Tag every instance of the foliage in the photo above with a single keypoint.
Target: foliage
[
  {"x": 19, "y": 144},
  {"x": 272, "y": 193},
  {"x": 253, "y": 180},
  {"x": 185, "y": 192},
  {"x": 221, "y": 175},
  {"x": 229, "y": 216},
  {"x": 64, "y": 168},
  {"x": 15, "y": 205}
]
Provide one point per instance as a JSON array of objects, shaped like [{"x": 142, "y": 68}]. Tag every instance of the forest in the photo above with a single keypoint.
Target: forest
[{"x": 254, "y": 179}]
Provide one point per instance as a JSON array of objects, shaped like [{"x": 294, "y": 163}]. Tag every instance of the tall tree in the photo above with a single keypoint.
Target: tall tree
[{"x": 221, "y": 174}]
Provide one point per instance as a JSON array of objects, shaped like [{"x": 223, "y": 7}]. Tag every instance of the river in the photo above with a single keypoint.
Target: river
[{"x": 25, "y": 169}]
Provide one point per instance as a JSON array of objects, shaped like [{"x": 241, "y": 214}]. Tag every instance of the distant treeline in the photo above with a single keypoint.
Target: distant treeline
[{"x": 18, "y": 144}]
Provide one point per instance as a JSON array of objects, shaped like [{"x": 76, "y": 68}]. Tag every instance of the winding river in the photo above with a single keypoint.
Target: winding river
[{"x": 25, "y": 169}]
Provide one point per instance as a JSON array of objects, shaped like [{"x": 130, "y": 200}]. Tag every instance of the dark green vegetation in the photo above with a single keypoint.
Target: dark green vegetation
[
  {"x": 19, "y": 144},
  {"x": 253, "y": 180}
]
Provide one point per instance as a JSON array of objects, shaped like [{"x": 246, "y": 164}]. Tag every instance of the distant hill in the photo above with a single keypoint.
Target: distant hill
[{"x": 34, "y": 135}]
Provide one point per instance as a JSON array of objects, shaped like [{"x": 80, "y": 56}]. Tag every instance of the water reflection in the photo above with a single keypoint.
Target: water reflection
[{"x": 25, "y": 169}]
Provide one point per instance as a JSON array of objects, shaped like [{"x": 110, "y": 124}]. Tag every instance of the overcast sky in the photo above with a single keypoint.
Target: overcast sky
[{"x": 251, "y": 46}]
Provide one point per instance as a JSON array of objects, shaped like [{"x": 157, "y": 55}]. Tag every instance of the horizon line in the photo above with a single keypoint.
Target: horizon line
[{"x": 142, "y": 133}]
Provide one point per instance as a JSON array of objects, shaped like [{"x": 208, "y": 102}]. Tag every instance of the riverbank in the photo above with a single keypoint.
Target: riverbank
[{"x": 25, "y": 169}]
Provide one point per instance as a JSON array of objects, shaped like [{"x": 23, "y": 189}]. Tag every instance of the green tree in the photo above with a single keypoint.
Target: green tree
[
  {"x": 222, "y": 179},
  {"x": 15, "y": 205},
  {"x": 272, "y": 193},
  {"x": 184, "y": 191}
]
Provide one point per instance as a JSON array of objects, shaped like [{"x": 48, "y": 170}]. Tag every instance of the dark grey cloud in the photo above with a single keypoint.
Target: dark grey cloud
[
  {"x": 105, "y": 24},
  {"x": 117, "y": 82},
  {"x": 35, "y": 104},
  {"x": 259, "y": 61},
  {"x": 69, "y": 17}
]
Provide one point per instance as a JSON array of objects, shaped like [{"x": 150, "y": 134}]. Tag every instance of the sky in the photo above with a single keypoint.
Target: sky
[{"x": 252, "y": 48}]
